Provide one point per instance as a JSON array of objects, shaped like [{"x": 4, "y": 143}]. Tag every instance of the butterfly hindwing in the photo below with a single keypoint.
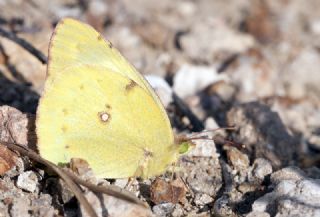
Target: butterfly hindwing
[{"x": 106, "y": 118}]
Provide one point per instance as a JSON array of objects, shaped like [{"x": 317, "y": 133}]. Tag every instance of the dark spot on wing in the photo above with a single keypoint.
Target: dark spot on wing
[
  {"x": 110, "y": 45},
  {"x": 131, "y": 85},
  {"x": 108, "y": 106},
  {"x": 64, "y": 128},
  {"x": 100, "y": 37},
  {"x": 147, "y": 153},
  {"x": 65, "y": 112}
]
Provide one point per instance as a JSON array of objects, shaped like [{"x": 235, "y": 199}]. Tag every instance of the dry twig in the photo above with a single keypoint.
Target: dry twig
[
  {"x": 23, "y": 43},
  {"x": 71, "y": 180}
]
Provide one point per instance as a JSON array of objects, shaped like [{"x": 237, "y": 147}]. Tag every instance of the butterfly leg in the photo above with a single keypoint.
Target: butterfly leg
[
  {"x": 129, "y": 183},
  {"x": 173, "y": 170},
  {"x": 138, "y": 173},
  {"x": 142, "y": 170},
  {"x": 175, "y": 175}
]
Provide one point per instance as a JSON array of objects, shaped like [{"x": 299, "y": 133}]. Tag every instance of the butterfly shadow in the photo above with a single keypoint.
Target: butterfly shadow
[{"x": 17, "y": 94}]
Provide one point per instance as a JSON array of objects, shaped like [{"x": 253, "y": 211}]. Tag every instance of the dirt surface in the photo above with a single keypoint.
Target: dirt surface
[{"x": 253, "y": 65}]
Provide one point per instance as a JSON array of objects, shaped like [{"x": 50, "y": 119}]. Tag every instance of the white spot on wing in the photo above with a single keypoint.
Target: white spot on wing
[{"x": 104, "y": 116}]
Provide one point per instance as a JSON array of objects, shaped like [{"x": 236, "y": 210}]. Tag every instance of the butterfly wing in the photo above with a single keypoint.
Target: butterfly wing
[
  {"x": 75, "y": 43},
  {"x": 94, "y": 113}
]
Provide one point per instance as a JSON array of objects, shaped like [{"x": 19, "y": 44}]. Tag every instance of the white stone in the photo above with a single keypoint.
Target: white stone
[
  {"x": 190, "y": 79},
  {"x": 261, "y": 168},
  {"x": 202, "y": 199},
  {"x": 258, "y": 214},
  {"x": 161, "y": 87},
  {"x": 163, "y": 209},
  {"x": 203, "y": 147},
  {"x": 28, "y": 181},
  {"x": 291, "y": 197}
]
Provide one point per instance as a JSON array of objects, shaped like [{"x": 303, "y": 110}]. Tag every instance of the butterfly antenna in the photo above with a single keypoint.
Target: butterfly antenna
[
  {"x": 198, "y": 137},
  {"x": 173, "y": 171},
  {"x": 219, "y": 128},
  {"x": 210, "y": 130},
  {"x": 225, "y": 141}
]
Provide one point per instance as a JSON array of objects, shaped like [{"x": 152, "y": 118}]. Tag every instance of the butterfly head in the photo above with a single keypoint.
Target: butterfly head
[{"x": 184, "y": 144}]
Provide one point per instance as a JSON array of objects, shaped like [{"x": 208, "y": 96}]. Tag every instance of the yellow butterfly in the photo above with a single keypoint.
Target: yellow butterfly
[{"x": 97, "y": 107}]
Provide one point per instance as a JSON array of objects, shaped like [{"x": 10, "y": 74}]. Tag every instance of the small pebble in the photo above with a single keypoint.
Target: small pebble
[
  {"x": 204, "y": 148},
  {"x": 178, "y": 211},
  {"x": 224, "y": 90},
  {"x": 163, "y": 209},
  {"x": 288, "y": 173},
  {"x": 258, "y": 214},
  {"x": 28, "y": 181},
  {"x": 20, "y": 207},
  {"x": 211, "y": 124},
  {"x": 162, "y": 88},
  {"x": 314, "y": 141},
  {"x": 202, "y": 199},
  {"x": 190, "y": 79},
  {"x": 238, "y": 160},
  {"x": 293, "y": 195},
  {"x": 261, "y": 168}
]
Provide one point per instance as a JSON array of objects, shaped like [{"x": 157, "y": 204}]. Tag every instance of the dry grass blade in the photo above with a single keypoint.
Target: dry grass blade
[
  {"x": 110, "y": 190},
  {"x": 23, "y": 43},
  {"x": 70, "y": 183}
]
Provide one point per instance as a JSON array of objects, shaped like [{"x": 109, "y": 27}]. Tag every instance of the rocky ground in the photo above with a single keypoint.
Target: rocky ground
[{"x": 251, "y": 64}]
